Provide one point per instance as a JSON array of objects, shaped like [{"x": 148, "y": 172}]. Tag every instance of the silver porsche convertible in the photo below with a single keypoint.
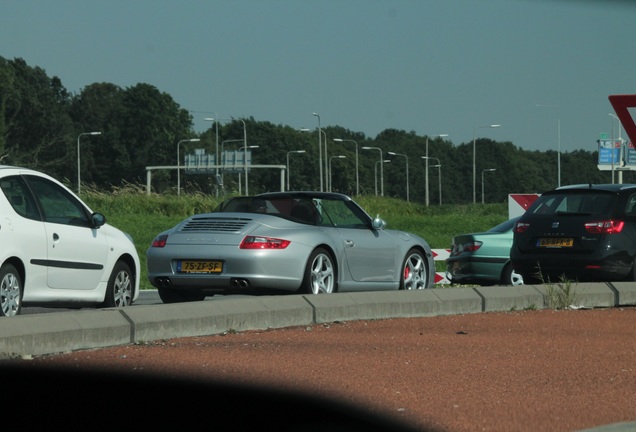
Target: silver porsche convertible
[{"x": 305, "y": 242}]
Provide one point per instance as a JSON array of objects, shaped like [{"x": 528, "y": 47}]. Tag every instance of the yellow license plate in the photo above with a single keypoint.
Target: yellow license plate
[
  {"x": 200, "y": 267},
  {"x": 556, "y": 242}
]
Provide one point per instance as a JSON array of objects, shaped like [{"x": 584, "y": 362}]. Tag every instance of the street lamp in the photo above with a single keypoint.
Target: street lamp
[
  {"x": 179, "y": 163},
  {"x": 426, "y": 169},
  {"x": 439, "y": 165},
  {"x": 620, "y": 153},
  {"x": 357, "y": 179},
  {"x": 381, "y": 170},
  {"x": 216, "y": 148},
  {"x": 482, "y": 182},
  {"x": 292, "y": 151},
  {"x": 558, "y": 141},
  {"x": 376, "y": 172},
  {"x": 330, "y": 160},
  {"x": 79, "y": 182},
  {"x": 320, "y": 150},
  {"x": 244, "y": 150},
  {"x": 407, "y": 172},
  {"x": 475, "y": 159}
]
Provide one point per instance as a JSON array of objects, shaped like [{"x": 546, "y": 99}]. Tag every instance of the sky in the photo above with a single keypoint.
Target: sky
[{"x": 542, "y": 69}]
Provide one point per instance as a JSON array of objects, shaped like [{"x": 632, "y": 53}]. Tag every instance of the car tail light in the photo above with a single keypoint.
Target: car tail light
[
  {"x": 256, "y": 242},
  {"x": 609, "y": 226},
  {"x": 160, "y": 241},
  {"x": 472, "y": 246},
  {"x": 521, "y": 227}
]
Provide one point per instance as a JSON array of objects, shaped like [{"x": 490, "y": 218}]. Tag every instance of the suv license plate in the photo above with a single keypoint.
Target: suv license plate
[{"x": 556, "y": 242}]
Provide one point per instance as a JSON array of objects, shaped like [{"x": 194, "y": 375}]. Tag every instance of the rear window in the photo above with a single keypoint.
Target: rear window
[{"x": 574, "y": 203}]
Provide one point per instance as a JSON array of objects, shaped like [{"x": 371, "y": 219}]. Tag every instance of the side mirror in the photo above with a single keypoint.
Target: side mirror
[
  {"x": 98, "y": 219},
  {"x": 378, "y": 223}
]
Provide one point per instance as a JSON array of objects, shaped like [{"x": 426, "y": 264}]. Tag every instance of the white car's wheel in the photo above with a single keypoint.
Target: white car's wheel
[
  {"x": 119, "y": 292},
  {"x": 414, "y": 271},
  {"x": 320, "y": 274},
  {"x": 10, "y": 291}
]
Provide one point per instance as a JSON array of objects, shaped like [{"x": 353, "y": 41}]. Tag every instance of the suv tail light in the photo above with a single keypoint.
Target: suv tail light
[
  {"x": 521, "y": 227},
  {"x": 609, "y": 226}
]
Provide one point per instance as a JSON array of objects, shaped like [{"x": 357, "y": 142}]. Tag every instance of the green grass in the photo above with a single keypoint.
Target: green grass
[{"x": 144, "y": 216}]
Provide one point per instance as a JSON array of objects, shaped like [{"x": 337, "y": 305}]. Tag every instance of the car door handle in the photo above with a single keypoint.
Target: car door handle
[
  {"x": 349, "y": 243},
  {"x": 55, "y": 237}
]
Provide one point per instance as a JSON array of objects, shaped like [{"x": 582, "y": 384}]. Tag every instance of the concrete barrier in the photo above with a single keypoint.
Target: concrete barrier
[{"x": 58, "y": 332}]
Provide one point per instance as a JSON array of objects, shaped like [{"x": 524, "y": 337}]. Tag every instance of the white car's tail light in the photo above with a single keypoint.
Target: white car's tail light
[{"x": 256, "y": 242}]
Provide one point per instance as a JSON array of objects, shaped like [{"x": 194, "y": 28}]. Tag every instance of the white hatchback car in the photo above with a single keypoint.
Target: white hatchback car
[{"x": 54, "y": 251}]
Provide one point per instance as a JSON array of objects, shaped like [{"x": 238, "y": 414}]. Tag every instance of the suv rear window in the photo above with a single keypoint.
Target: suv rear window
[{"x": 574, "y": 203}]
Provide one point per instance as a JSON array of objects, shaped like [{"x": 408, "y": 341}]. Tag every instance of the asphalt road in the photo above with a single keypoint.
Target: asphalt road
[{"x": 146, "y": 297}]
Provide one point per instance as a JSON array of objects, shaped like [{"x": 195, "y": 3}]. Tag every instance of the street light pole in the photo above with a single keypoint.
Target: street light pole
[
  {"x": 482, "y": 182},
  {"x": 357, "y": 178},
  {"x": 179, "y": 163},
  {"x": 79, "y": 182},
  {"x": 329, "y": 185},
  {"x": 244, "y": 148},
  {"x": 475, "y": 159},
  {"x": 382, "y": 162},
  {"x": 426, "y": 200},
  {"x": 292, "y": 151},
  {"x": 620, "y": 153},
  {"x": 439, "y": 165},
  {"x": 320, "y": 150},
  {"x": 326, "y": 170},
  {"x": 407, "y": 172},
  {"x": 216, "y": 147},
  {"x": 381, "y": 169},
  {"x": 558, "y": 141}
]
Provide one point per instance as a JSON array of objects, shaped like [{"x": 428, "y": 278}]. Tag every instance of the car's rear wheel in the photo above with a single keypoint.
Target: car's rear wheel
[
  {"x": 510, "y": 277},
  {"x": 10, "y": 291},
  {"x": 414, "y": 272},
  {"x": 172, "y": 295},
  {"x": 119, "y": 292},
  {"x": 320, "y": 273}
]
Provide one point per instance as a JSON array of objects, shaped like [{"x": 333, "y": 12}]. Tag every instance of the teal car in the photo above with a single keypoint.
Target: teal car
[{"x": 483, "y": 258}]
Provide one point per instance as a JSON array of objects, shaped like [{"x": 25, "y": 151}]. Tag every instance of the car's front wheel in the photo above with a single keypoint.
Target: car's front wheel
[
  {"x": 320, "y": 273},
  {"x": 10, "y": 291},
  {"x": 414, "y": 272},
  {"x": 119, "y": 291}
]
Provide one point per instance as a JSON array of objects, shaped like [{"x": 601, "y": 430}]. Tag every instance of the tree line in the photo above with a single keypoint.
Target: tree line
[{"x": 43, "y": 126}]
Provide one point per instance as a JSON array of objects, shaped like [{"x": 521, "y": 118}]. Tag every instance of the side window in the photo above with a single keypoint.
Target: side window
[
  {"x": 341, "y": 215},
  {"x": 19, "y": 196},
  {"x": 630, "y": 210},
  {"x": 58, "y": 206}
]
